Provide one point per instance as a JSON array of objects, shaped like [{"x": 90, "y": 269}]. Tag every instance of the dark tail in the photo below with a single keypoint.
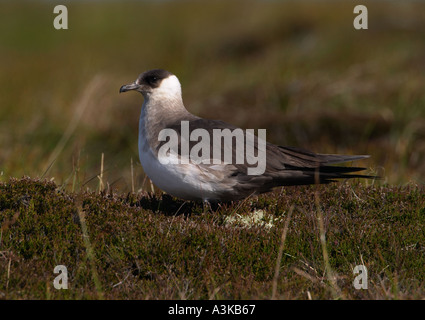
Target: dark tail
[
  {"x": 305, "y": 167},
  {"x": 322, "y": 175}
]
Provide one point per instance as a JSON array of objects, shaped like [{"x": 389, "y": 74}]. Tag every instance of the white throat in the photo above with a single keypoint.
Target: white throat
[{"x": 169, "y": 93}]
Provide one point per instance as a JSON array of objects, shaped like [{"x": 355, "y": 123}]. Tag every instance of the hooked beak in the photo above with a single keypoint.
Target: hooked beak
[{"x": 128, "y": 87}]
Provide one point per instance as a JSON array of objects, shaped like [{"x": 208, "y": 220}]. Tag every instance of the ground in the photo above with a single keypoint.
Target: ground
[{"x": 147, "y": 246}]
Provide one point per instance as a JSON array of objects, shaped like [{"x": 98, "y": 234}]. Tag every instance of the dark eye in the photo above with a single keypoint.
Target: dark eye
[{"x": 152, "y": 79}]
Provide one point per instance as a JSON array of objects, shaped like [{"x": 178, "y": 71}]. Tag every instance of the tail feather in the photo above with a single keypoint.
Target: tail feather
[
  {"x": 325, "y": 174},
  {"x": 337, "y": 158}
]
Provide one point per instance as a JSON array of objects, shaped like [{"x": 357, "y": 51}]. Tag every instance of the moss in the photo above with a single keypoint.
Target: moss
[{"x": 145, "y": 247}]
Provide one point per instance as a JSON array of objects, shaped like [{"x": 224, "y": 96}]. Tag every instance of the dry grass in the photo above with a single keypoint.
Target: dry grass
[
  {"x": 123, "y": 246},
  {"x": 310, "y": 79}
]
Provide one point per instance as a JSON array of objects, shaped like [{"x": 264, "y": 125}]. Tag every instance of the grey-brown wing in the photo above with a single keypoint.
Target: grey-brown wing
[{"x": 284, "y": 165}]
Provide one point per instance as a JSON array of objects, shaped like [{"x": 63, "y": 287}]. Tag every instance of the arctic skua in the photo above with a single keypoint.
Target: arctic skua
[{"x": 213, "y": 179}]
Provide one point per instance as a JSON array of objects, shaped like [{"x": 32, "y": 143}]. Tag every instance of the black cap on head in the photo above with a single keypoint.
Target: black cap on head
[{"x": 153, "y": 77}]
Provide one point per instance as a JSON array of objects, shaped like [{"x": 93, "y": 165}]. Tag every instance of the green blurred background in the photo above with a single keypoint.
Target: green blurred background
[{"x": 296, "y": 68}]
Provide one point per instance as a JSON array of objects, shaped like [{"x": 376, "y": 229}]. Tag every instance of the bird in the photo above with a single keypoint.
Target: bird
[{"x": 214, "y": 180}]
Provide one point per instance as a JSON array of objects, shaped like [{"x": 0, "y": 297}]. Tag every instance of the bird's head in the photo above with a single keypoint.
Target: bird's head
[{"x": 156, "y": 83}]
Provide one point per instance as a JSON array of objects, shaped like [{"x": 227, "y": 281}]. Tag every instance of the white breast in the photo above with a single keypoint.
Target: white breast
[{"x": 187, "y": 181}]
